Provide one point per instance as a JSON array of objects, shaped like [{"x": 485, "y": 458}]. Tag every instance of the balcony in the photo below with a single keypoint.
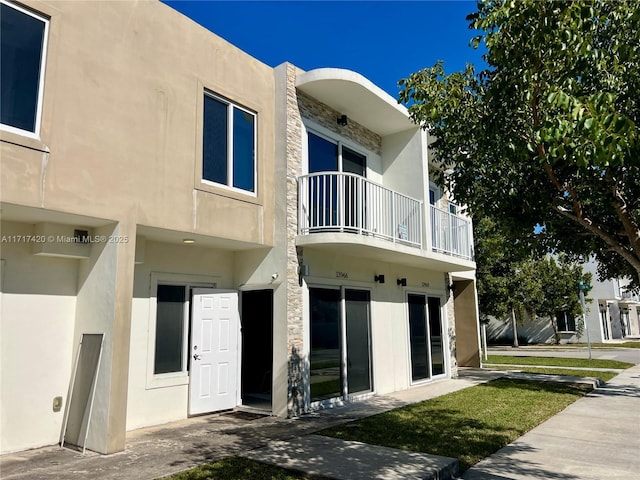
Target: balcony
[
  {"x": 335, "y": 202},
  {"x": 451, "y": 234}
]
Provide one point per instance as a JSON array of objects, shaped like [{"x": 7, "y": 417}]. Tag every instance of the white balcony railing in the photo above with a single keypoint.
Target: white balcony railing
[
  {"x": 344, "y": 202},
  {"x": 348, "y": 203},
  {"x": 451, "y": 233}
]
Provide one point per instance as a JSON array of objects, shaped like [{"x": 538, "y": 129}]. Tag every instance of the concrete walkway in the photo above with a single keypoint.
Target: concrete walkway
[
  {"x": 160, "y": 451},
  {"x": 596, "y": 437},
  {"x": 342, "y": 460}
]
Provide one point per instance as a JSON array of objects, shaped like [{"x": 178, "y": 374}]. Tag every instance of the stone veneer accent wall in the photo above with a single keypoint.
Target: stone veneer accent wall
[
  {"x": 327, "y": 117},
  {"x": 298, "y": 364},
  {"x": 451, "y": 322},
  {"x": 299, "y": 105}
]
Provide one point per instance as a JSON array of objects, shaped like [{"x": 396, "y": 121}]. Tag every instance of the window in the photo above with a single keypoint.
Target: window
[
  {"x": 228, "y": 149},
  {"x": 329, "y": 156},
  {"x": 336, "y": 200},
  {"x": 22, "y": 54},
  {"x": 603, "y": 320},
  {"x": 170, "y": 329},
  {"x": 565, "y": 322},
  {"x": 435, "y": 194}
]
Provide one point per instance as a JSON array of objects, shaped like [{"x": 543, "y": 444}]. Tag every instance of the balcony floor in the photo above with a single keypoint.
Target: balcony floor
[{"x": 382, "y": 250}]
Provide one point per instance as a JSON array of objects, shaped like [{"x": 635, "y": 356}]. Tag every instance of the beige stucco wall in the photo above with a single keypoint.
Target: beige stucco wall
[
  {"x": 122, "y": 122},
  {"x": 121, "y": 142},
  {"x": 466, "y": 314}
]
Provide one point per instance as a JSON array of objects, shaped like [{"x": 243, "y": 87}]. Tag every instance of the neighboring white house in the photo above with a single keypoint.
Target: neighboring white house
[
  {"x": 187, "y": 230},
  {"x": 613, "y": 313}
]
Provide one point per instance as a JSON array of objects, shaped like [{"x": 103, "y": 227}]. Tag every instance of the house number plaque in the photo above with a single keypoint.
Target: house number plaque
[{"x": 342, "y": 275}]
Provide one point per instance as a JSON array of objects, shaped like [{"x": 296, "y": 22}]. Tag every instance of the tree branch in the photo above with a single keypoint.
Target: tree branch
[
  {"x": 629, "y": 256},
  {"x": 631, "y": 228}
]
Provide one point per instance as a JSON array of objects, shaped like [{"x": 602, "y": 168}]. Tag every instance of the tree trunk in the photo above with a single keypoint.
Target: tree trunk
[
  {"x": 554, "y": 325},
  {"x": 515, "y": 328}
]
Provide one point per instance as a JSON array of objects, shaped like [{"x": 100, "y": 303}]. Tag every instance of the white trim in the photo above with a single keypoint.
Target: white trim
[
  {"x": 444, "y": 326},
  {"x": 43, "y": 64},
  {"x": 345, "y": 75},
  {"x": 444, "y": 332},
  {"x": 231, "y": 106},
  {"x": 369, "y": 289},
  {"x": 344, "y": 385},
  {"x": 344, "y": 396}
]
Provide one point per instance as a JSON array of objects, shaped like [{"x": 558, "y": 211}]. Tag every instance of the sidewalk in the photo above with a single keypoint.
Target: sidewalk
[
  {"x": 594, "y": 438},
  {"x": 160, "y": 451}
]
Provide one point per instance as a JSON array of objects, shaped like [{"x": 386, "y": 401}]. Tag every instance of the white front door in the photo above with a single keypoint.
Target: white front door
[{"x": 214, "y": 350}]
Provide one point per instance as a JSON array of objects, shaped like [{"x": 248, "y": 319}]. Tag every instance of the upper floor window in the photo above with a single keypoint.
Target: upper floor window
[
  {"x": 23, "y": 37},
  {"x": 329, "y": 156},
  {"x": 228, "y": 150},
  {"x": 435, "y": 194}
]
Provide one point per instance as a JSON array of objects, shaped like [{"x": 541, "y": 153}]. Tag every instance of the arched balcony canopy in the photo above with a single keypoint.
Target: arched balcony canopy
[{"x": 353, "y": 95}]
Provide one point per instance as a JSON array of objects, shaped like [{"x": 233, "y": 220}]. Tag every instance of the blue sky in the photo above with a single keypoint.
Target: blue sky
[{"x": 382, "y": 40}]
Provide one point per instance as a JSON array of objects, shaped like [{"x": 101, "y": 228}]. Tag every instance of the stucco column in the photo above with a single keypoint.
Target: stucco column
[
  {"x": 105, "y": 286},
  {"x": 467, "y": 325}
]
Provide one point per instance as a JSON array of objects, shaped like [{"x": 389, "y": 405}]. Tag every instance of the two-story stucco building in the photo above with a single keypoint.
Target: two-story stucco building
[{"x": 187, "y": 230}]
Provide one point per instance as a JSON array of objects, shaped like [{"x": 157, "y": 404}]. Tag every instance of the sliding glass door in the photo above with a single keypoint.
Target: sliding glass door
[
  {"x": 425, "y": 337},
  {"x": 358, "y": 331},
  {"x": 336, "y": 200},
  {"x": 325, "y": 357},
  {"x": 340, "y": 354}
]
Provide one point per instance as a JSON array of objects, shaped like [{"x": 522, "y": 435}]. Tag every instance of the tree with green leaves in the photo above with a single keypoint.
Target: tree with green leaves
[
  {"x": 514, "y": 284},
  {"x": 504, "y": 285},
  {"x": 559, "y": 281},
  {"x": 546, "y": 138}
]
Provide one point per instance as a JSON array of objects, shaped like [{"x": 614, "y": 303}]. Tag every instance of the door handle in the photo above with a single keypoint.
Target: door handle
[{"x": 196, "y": 356}]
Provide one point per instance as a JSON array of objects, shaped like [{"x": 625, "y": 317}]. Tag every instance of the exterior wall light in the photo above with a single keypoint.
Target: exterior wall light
[
  {"x": 378, "y": 278},
  {"x": 402, "y": 281},
  {"x": 343, "y": 121}
]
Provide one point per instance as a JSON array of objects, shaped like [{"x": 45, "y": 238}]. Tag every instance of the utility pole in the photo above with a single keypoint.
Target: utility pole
[{"x": 585, "y": 287}]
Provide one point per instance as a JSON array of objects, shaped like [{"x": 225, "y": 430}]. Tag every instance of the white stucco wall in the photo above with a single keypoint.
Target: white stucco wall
[
  {"x": 404, "y": 163},
  {"x": 389, "y": 315},
  {"x": 37, "y": 311}
]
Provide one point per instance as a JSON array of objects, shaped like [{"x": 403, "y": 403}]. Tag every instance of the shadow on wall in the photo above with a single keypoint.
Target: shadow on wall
[{"x": 297, "y": 401}]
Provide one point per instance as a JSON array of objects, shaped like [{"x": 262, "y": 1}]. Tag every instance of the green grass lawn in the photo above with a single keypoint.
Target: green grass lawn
[
  {"x": 237, "y": 468},
  {"x": 557, "y": 362},
  {"x": 605, "y": 376},
  {"x": 469, "y": 424}
]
